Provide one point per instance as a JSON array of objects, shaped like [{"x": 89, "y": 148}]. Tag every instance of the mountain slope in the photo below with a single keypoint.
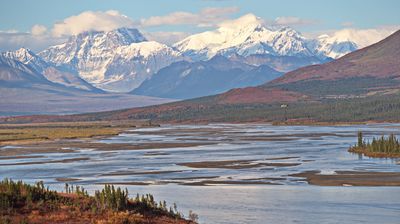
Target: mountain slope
[
  {"x": 380, "y": 60},
  {"x": 183, "y": 80},
  {"x": 15, "y": 72},
  {"x": 374, "y": 70},
  {"x": 281, "y": 63},
  {"x": 133, "y": 64},
  {"x": 24, "y": 90},
  {"x": 117, "y": 60},
  {"x": 50, "y": 72}
]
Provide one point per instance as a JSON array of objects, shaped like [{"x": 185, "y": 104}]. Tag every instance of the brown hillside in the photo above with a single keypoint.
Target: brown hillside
[{"x": 380, "y": 60}]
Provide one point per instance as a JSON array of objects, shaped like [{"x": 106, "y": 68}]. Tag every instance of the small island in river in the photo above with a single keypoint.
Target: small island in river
[{"x": 383, "y": 147}]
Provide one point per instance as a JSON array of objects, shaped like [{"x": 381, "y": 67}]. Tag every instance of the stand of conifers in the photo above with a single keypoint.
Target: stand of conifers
[{"x": 378, "y": 147}]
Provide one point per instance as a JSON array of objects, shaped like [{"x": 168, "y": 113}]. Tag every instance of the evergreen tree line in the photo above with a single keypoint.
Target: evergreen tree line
[
  {"x": 71, "y": 189},
  {"x": 118, "y": 200},
  {"x": 383, "y": 144},
  {"x": 17, "y": 194}
]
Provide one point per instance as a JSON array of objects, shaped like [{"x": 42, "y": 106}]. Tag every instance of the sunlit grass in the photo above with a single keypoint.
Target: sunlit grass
[{"x": 64, "y": 130}]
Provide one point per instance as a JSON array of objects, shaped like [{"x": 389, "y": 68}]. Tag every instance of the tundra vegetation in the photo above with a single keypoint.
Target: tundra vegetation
[
  {"x": 38, "y": 132},
  {"x": 24, "y": 203}
]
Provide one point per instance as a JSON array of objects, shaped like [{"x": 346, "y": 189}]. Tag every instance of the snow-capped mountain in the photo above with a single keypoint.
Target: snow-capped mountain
[
  {"x": 133, "y": 64},
  {"x": 339, "y": 43},
  {"x": 248, "y": 35},
  {"x": 117, "y": 60},
  {"x": 245, "y": 36},
  {"x": 332, "y": 46},
  {"x": 120, "y": 60},
  {"x": 27, "y": 57},
  {"x": 38, "y": 66},
  {"x": 15, "y": 71},
  {"x": 91, "y": 46}
]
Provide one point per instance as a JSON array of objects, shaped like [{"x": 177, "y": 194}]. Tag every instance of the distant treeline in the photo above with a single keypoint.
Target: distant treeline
[{"x": 378, "y": 108}]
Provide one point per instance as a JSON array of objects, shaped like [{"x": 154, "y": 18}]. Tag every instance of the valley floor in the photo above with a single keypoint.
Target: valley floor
[{"x": 194, "y": 165}]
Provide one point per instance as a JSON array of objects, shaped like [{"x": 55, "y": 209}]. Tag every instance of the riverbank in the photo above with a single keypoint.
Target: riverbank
[
  {"x": 365, "y": 152},
  {"x": 30, "y": 133}
]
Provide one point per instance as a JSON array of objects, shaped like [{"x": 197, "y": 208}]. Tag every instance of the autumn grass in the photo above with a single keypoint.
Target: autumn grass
[{"x": 31, "y": 133}]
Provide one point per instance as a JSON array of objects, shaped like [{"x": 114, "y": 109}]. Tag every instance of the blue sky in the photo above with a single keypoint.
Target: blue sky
[
  {"x": 21, "y": 15},
  {"x": 22, "y": 18}
]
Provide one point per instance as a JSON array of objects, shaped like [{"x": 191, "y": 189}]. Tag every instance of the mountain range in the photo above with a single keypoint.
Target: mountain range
[
  {"x": 117, "y": 61},
  {"x": 29, "y": 85},
  {"x": 184, "y": 80},
  {"x": 363, "y": 85},
  {"x": 121, "y": 60},
  {"x": 241, "y": 53}
]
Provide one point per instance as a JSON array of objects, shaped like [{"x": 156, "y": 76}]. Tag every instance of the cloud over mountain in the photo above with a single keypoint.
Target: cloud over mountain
[
  {"x": 91, "y": 21},
  {"x": 206, "y": 17},
  {"x": 293, "y": 21},
  {"x": 158, "y": 28}
]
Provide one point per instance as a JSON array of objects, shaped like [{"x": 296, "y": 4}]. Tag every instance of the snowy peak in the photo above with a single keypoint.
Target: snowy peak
[
  {"x": 333, "y": 47},
  {"x": 27, "y": 57},
  {"x": 133, "y": 64},
  {"x": 245, "y": 36},
  {"x": 288, "y": 42},
  {"x": 344, "y": 41},
  {"x": 12, "y": 69},
  {"x": 121, "y": 36},
  {"x": 145, "y": 49},
  {"x": 248, "y": 21},
  {"x": 249, "y": 35},
  {"x": 36, "y": 66},
  {"x": 22, "y": 54},
  {"x": 90, "y": 43},
  {"x": 117, "y": 60}
]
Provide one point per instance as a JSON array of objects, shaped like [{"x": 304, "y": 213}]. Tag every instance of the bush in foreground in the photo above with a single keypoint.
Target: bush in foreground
[{"x": 24, "y": 203}]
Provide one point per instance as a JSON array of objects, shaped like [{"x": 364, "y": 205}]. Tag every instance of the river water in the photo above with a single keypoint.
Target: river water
[{"x": 249, "y": 183}]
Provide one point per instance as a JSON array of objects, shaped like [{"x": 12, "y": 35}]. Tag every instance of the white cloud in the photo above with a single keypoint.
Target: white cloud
[
  {"x": 364, "y": 37},
  {"x": 91, "y": 21},
  {"x": 293, "y": 21},
  {"x": 38, "y": 30},
  {"x": 16, "y": 40},
  {"x": 167, "y": 38},
  {"x": 206, "y": 17},
  {"x": 40, "y": 37}
]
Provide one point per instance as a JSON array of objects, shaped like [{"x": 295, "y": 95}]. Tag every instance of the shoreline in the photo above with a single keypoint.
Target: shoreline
[
  {"x": 381, "y": 155},
  {"x": 32, "y": 133}
]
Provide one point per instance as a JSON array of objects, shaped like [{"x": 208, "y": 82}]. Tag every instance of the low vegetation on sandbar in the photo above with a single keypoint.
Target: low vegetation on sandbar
[
  {"x": 24, "y": 203},
  {"x": 378, "y": 147}
]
